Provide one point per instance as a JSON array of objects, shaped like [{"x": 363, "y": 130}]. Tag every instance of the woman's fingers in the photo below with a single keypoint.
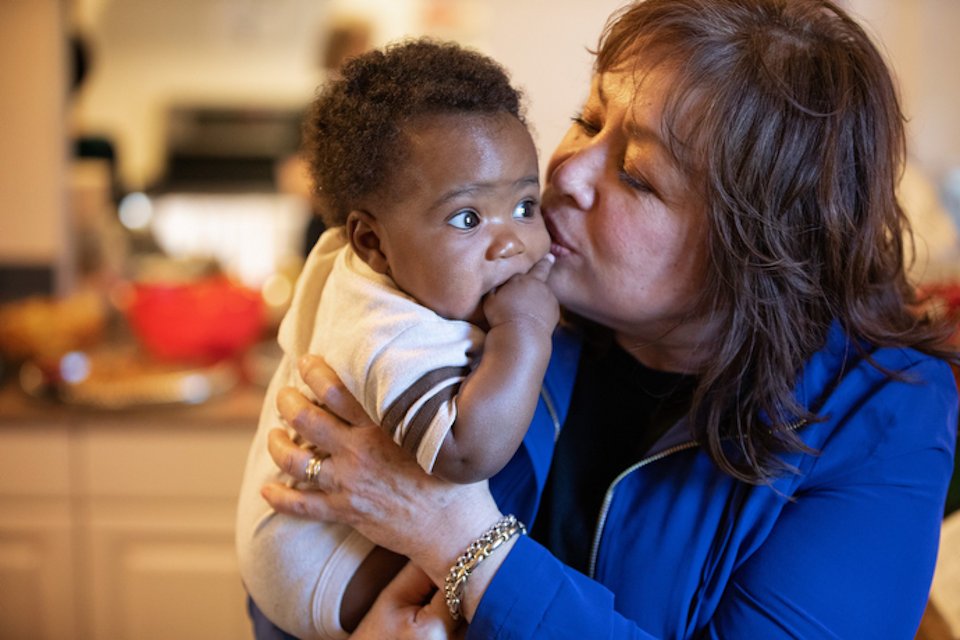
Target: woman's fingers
[
  {"x": 315, "y": 424},
  {"x": 313, "y": 505},
  {"x": 330, "y": 391},
  {"x": 323, "y": 426},
  {"x": 290, "y": 458},
  {"x": 400, "y": 612},
  {"x": 412, "y": 588},
  {"x": 438, "y": 614},
  {"x": 305, "y": 465}
]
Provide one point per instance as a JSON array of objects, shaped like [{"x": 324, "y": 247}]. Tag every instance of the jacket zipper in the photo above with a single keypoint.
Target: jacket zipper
[
  {"x": 608, "y": 497},
  {"x": 552, "y": 410}
]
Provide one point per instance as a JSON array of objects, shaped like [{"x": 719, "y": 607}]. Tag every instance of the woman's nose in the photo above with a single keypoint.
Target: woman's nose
[
  {"x": 577, "y": 172},
  {"x": 506, "y": 244}
]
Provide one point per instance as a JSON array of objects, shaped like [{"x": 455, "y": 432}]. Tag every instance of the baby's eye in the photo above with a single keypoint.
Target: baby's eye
[
  {"x": 526, "y": 209},
  {"x": 466, "y": 219}
]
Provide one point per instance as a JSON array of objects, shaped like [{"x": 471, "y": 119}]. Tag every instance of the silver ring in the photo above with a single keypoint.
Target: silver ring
[{"x": 313, "y": 469}]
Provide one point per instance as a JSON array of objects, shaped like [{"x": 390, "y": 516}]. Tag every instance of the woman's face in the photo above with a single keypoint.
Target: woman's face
[{"x": 628, "y": 228}]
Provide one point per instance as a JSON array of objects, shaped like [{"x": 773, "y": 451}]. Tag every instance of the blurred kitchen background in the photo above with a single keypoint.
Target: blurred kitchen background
[{"x": 153, "y": 218}]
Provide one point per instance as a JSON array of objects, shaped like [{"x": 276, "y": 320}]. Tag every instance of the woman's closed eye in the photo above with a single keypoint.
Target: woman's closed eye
[
  {"x": 465, "y": 219},
  {"x": 634, "y": 182},
  {"x": 585, "y": 124}
]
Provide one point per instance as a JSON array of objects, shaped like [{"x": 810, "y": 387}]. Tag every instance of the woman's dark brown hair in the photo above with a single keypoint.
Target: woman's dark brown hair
[{"x": 785, "y": 114}]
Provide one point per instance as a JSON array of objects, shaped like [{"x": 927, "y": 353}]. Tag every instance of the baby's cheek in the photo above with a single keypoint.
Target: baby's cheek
[{"x": 540, "y": 244}]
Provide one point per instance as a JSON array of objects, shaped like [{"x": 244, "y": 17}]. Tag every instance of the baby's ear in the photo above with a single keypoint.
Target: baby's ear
[{"x": 363, "y": 230}]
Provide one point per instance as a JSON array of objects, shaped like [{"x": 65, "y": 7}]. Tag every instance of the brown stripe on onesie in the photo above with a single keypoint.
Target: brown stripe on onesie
[{"x": 393, "y": 417}]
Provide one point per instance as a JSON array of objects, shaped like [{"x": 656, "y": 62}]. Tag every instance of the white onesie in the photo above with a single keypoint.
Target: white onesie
[{"x": 404, "y": 363}]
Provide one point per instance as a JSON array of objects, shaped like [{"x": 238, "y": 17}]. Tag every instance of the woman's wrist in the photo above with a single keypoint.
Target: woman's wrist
[
  {"x": 463, "y": 525},
  {"x": 464, "y": 519},
  {"x": 481, "y": 577},
  {"x": 501, "y": 532}
]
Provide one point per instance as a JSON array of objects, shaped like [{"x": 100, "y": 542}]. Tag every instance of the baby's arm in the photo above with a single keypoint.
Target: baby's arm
[{"x": 496, "y": 402}]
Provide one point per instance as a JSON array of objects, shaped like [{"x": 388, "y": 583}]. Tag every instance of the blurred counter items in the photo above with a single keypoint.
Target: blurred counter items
[
  {"x": 122, "y": 379},
  {"x": 205, "y": 321},
  {"x": 42, "y": 327}
]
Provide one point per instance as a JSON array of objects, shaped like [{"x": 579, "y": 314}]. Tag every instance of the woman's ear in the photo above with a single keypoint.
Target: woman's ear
[{"x": 364, "y": 231}]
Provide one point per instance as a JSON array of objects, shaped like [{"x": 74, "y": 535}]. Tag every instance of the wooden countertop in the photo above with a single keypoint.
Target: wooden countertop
[{"x": 239, "y": 407}]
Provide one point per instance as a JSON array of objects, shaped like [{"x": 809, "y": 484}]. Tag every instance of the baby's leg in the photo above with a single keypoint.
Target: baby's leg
[
  {"x": 374, "y": 573},
  {"x": 297, "y": 571}
]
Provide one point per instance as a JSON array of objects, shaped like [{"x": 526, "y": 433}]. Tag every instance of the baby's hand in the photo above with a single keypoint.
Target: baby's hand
[{"x": 525, "y": 297}]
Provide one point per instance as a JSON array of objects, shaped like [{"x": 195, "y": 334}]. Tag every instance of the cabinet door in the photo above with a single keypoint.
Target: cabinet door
[
  {"x": 36, "y": 573},
  {"x": 158, "y": 532},
  {"x": 36, "y": 543},
  {"x": 161, "y": 570}
]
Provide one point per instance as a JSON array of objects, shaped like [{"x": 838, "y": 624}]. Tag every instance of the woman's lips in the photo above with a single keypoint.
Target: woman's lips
[{"x": 558, "y": 246}]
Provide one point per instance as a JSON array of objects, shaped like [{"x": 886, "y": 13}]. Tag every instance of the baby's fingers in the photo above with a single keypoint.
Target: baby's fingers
[{"x": 541, "y": 270}]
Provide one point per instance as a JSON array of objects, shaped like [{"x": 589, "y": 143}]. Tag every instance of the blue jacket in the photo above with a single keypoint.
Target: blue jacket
[{"x": 844, "y": 548}]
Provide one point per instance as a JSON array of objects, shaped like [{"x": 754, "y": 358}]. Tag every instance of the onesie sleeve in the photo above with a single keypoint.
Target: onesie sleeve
[
  {"x": 402, "y": 361},
  {"x": 413, "y": 382}
]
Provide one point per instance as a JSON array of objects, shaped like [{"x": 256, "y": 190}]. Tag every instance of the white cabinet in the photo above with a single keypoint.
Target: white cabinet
[
  {"x": 36, "y": 534},
  {"x": 35, "y": 573},
  {"x": 120, "y": 526},
  {"x": 157, "y": 531}
]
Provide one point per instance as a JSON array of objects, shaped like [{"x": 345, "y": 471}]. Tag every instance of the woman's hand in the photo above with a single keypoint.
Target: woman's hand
[
  {"x": 400, "y": 612},
  {"x": 368, "y": 482}
]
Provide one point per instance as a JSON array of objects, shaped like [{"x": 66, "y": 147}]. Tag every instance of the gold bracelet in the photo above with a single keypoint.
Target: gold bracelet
[{"x": 481, "y": 548}]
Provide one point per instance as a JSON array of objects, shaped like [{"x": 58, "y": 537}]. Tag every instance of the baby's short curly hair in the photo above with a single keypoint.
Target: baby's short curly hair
[{"x": 353, "y": 132}]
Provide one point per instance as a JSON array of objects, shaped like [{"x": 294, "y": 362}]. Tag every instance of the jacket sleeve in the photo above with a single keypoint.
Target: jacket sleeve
[
  {"x": 534, "y": 595},
  {"x": 832, "y": 566}
]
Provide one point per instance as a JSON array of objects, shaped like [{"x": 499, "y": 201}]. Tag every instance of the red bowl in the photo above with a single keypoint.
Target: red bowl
[{"x": 203, "y": 321}]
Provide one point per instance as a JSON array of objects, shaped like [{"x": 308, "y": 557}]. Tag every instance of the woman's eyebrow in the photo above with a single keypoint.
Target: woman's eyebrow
[
  {"x": 601, "y": 96},
  {"x": 638, "y": 131},
  {"x": 657, "y": 149}
]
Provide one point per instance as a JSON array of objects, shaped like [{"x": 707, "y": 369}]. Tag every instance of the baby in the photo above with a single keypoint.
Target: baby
[{"x": 426, "y": 295}]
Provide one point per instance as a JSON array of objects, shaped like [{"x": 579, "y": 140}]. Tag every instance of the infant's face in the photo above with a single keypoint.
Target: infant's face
[{"x": 465, "y": 214}]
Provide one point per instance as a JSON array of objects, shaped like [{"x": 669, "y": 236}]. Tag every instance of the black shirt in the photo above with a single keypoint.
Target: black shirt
[{"x": 618, "y": 410}]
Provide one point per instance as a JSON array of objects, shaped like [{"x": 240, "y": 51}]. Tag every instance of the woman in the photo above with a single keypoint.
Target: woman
[{"x": 757, "y": 428}]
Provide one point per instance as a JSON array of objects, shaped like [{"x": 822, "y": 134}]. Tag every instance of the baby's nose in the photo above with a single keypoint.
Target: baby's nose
[{"x": 505, "y": 245}]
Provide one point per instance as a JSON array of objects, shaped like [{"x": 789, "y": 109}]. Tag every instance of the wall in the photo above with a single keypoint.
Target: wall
[
  {"x": 152, "y": 54},
  {"x": 155, "y": 54},
  {"x": 545, "y": 45},
  {"x": 149, "y": 55},
  {"x": 33, "y": 81},
  {"x": 922, "y": 41}
]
